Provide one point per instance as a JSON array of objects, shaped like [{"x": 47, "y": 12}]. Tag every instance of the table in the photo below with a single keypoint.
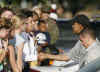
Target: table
[{"x": 54, "y": 68}]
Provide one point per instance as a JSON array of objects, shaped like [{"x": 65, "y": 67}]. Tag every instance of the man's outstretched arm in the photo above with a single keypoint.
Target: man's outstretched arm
[{"x": 60, "y": 57}]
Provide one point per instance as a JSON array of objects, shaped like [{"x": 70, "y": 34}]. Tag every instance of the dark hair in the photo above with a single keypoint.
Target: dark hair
[
  {"x": 4, "y": 27},
  {"x": 82, "y": 19},
  {"x": 6, "y": 9},
  {"x": 41, "y": 21},
  {"x": 90, "y": 32},
  {"x": 25, "y": 13},
  {"x": 43, "y": 11}
]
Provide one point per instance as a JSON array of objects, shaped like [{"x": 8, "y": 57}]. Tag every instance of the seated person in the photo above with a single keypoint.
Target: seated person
[{"x": 84, "y": 55}]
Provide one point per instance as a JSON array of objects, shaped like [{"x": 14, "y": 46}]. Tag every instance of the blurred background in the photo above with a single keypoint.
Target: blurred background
[
  {"x": 66, "y": 10},
  {"x": 75, "y": 6}
]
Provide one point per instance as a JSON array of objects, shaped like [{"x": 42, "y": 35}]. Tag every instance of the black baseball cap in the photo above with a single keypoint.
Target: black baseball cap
[{"x": 81, "y": 19}]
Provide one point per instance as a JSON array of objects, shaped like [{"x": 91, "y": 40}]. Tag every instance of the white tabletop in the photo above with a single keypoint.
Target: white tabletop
[{"x": 66, "y": 68}]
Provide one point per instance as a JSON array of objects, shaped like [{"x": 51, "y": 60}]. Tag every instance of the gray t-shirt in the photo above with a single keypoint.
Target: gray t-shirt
[
  {"x": 80, "y": 54},
  {"x": 77, "y": 51}
]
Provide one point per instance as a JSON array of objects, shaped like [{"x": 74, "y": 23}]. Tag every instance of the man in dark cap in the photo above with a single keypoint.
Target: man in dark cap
[{"x": 80, "y": 22}]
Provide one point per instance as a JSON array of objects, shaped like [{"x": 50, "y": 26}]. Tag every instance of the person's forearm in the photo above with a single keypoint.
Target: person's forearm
[
  {"x": 58, "y": 57},
  {"x": 19, "y": 56},
  {"x": 19, "y": 61},
  {"x": 2, "y": 56},
  {"x": 12, "y": 59}
]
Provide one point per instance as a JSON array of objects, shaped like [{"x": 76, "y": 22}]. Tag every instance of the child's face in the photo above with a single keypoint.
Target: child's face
[
  {"x": 45, "y": 16},
  {"x": 28, "y": 25},
  {"x": 3, "y": 33},
  {"x": 60, "y": 11},
  {"x": 35, "y": 18},
  {"x": 43, "y": 27},
  {"x": 7, "y": 14}
]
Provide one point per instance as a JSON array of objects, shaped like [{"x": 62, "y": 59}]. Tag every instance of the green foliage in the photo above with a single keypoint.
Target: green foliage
[
  {"x": 17, "y": 2},
  {"x": 43, "y": 1}
]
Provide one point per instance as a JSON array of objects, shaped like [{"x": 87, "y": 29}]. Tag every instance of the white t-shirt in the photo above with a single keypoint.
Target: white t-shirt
[{"x": 30, "y": 48}]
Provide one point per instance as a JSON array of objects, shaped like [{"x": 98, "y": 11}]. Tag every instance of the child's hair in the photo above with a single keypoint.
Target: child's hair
[
  {"x": 16, "y": 21},
  {"x": 5, "y": 23},
  {"x": 6, "y": 9},
  {"x": 41, "y": 21},
  {"x": 26, "y": 13}
]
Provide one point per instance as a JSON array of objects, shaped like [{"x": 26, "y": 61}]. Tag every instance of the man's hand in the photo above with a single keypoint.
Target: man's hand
[
  {"x": 61, "y": 50},
  {"x": 42, "y": 56},
  {"x": 59, "y": 57}
]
